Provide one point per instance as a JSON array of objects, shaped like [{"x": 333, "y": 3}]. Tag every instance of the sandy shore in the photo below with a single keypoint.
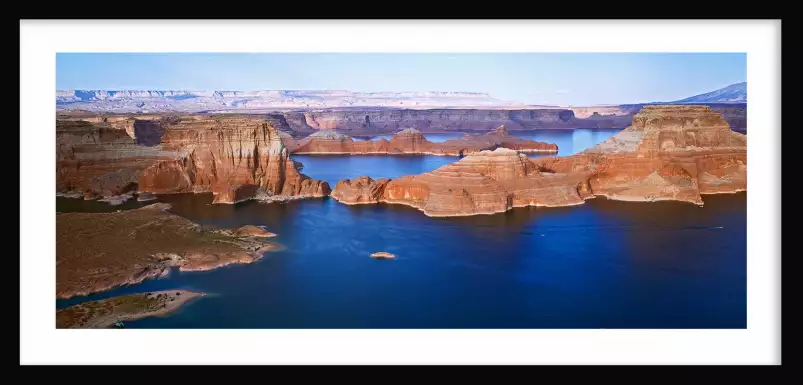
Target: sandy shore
[{"x": 104, "y": 313}]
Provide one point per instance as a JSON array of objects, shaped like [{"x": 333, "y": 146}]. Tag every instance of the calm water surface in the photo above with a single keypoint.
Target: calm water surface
[
  {"x": 604, "y": 264},
  {"x": 569, "y": 141}
]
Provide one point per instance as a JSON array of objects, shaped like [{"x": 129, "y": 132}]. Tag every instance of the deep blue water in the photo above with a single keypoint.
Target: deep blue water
[
  {"x": 569, "y": 142},
  {"x": 604, "y": 264}
]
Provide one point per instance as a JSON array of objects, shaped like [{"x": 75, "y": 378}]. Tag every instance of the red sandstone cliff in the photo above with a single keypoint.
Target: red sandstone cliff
[
  {"x": 232, "y": 157},
  {"x": 669, "y": 153},
  {"x": 371, "y": 121},
  {"x": 411, "y": 141}
]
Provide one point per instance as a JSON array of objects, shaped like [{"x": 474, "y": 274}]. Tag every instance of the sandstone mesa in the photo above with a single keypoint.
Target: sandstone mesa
[
  {"x": 233, "y": 157},
  {"x": 412, "y": 141},
  {"x": 374, "y": 113},
  {"x": 668, "y": 153}
]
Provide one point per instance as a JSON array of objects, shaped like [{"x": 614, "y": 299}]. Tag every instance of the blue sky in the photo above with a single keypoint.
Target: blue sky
[{"x": 533, "y": 78}]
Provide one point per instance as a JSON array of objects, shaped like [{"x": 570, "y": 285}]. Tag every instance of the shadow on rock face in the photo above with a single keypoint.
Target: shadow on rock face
[{"x": 148, "y": 133}]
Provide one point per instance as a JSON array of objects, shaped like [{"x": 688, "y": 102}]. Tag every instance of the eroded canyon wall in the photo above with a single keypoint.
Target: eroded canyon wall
[
  {"x": 385, "y": 121},
  {"x": 233, "y": 157},
  {"x": 412, "y": 141}
]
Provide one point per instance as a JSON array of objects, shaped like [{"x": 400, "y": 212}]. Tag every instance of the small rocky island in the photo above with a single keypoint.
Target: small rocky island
[
  {"x": 105, "y": 313},
  {"x": 383, "y": 255}
]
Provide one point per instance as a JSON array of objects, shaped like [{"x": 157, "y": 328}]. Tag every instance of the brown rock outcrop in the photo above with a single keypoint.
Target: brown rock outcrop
[
  {"x": 100, "y": 251},
  {"x": 411, "y": 141},
  {"x": 96, "y": 159},
  {"x": 360, "y": 190},
  {"x": 669, "y": 153},
  {"x": 106, "y": 312},
  {"x": 383, "y": 255},
  {"x": 231, "y": 156},
  {"x": 252, "y": 231}
]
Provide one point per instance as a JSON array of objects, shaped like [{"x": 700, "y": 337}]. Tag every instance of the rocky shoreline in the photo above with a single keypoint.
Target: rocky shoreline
[
  {"x": 97, "y": 252},
  {"x": 676, "y": 153},
  {"x": 412, "y": 142},
  {"x": 106, "y": 312}
]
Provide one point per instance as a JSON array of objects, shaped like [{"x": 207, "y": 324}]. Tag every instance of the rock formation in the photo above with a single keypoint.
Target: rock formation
[
  {"x": 669, "y": 153},
  {"x": 411, "y": 141},
  {"x": 100, "y": 251},
  {"x": 251, "y": 231},
  {"x": 382, "y": 255},
  {"x": 301, "y": 113},
  {"x": 105, "y": 313},
  {"x": 369, "y": 121},
  {"x": 233, "y": 157},
  {"x": 360, "y": 190}
]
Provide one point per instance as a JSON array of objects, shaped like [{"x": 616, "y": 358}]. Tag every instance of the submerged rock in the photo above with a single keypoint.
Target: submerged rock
[{"x": 146, "y": 197}]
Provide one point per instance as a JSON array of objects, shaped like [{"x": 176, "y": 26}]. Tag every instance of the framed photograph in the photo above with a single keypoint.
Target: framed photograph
[{"x": 400, "y": 192}]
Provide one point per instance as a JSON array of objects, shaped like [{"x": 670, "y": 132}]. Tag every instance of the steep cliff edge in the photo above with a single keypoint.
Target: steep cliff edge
[
  {"x": 384, "y": 121},
  {"x": 412, "y": 141},
  {"x": 669, "y": 153},
  {"x": 369, "y": 121},
  {"x": 232, "y": 157}
]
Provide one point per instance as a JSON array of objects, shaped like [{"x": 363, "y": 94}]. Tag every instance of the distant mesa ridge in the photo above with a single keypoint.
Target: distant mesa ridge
[
  {"x": 267, "y": 98},
  {"x": 302, "y": 112},
  {"x": 222, "y": 101}
]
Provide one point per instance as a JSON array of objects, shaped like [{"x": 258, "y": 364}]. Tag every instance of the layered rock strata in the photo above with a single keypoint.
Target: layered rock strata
[
  {"x": 233, "y": 157},
  {"x": 412, "y": 141},
  {"x": 668, "y": 153},
  {"x": 356, "y": 121},
  {"x": 387, "y": 120}
]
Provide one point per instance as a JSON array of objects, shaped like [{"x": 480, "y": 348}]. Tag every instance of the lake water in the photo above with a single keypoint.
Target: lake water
[
  {"x": 569, "y": 141},
  {"x": 604, "y": 264}
]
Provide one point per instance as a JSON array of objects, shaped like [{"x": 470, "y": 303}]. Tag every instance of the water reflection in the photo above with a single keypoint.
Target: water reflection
[{"x": 603, "y": 264}]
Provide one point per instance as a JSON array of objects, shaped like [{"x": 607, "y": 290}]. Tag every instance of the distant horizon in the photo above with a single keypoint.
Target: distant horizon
[
  {"x": 392, "y": 92},
  {"x": 525, "y": 78}
]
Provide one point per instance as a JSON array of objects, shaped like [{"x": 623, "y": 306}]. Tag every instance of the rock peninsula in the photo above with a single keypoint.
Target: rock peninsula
[
  {"x": 104, "y": 313},
  {"x": 668, "y": 153},
  {"x": 413, "y": 142},
  {"x": 101, "y": 251}
]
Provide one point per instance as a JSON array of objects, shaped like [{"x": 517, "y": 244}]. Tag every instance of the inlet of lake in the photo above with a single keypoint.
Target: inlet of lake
[{"x": 604, "y": 264}]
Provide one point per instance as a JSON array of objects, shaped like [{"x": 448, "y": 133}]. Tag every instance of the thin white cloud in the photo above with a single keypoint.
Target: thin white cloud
[{"x": 562, "y": 92}]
